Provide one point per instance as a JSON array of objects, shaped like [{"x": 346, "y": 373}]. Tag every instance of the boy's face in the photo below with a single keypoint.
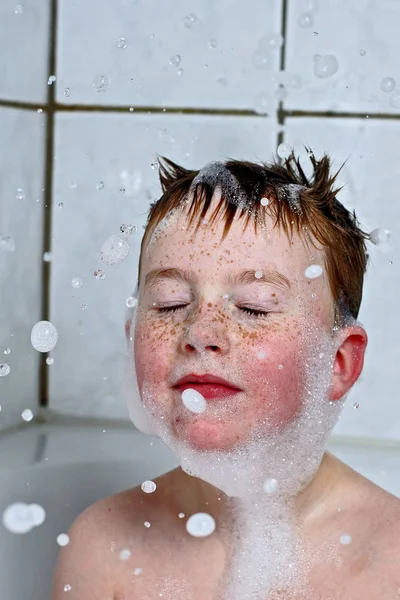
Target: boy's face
[{"x": 265, "y": 356}]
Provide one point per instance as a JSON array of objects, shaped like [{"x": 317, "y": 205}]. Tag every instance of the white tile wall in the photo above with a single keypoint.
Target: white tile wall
[
  {"x": 362, "y": 35},
  {"x": 24, "y": 47},
  {"x": 154, "y": 32},
  {"x": 372, "y": 189},
  {"x": 21, "y": 167},
  {"x": 117, "y": 150}
]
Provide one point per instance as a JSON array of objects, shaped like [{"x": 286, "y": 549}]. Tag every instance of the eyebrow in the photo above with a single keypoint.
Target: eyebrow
[{"x": 270, "y": 276}]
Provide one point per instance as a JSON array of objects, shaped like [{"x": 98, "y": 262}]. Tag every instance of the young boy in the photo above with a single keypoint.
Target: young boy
[{"x": 246, "y": 344}]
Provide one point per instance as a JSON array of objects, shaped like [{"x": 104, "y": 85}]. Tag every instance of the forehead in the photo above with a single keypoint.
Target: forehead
[{"x": 174, "y": 244}]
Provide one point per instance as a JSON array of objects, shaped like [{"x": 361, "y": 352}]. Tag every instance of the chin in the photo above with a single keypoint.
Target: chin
[{"x": 202, "y": 435}]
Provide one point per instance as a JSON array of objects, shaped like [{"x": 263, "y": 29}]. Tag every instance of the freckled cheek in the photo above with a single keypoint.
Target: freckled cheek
[
  {"x": 279, "y": 391},
  {"x": 152, "y": 354}
]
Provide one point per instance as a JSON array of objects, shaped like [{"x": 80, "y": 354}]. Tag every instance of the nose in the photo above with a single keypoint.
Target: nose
[{"x": 202, "y": 336}]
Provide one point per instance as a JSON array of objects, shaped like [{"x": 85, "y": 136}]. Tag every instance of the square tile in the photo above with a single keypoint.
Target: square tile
[
  {"x": 103, "y": 179},
  {"x": 372, "y": 151},
  {"x": 24, "y": 47},
  {"x": 143, "y": 52},
  {"x": 21, "y": 218},
  {"x": 362, "y": 36}
]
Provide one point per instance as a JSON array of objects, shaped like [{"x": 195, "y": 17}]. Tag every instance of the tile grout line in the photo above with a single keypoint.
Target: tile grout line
[
  {"x": 48, "y": 199},
  {"x": 281, "y": 112}
]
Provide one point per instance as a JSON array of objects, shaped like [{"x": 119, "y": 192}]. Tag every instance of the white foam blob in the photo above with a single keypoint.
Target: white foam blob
[
  {"x": 313, "y": 271},
  {"x": 44, "y": 336},
  {"x": 20, "y": 517},
  {"x": 27, "y": 414},
  {"x": 194, "y": 401},
  {"x": 62, "y": 539},
  {"x": 114, "y": 250},
  {"x": 149, "y": 487},
  {"x": 200, "y": 525}
]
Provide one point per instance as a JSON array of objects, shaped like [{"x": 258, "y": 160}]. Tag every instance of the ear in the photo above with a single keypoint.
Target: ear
[{"x": 349, "y": 360}]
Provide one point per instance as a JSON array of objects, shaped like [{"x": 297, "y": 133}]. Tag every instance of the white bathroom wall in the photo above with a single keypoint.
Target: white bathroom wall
[{"x": 24, "y": 40}]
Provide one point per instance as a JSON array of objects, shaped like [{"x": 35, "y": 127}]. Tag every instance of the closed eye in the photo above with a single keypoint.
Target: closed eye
[{"x": 249, "y": 311}]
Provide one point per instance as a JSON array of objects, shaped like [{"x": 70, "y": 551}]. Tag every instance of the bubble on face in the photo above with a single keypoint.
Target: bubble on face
[
  {"x": 114, "y": 250},
  {"x": 149, "y": 486},
  {"x": 313, "y": 271},
  {"x": 264, "y": 201},
  {"x": 258, "y": 274},
  {"x": 345, "y": 539},
  {"x": 325, "y": 66},
  {"x": 125, "y": 554},
  {"x": 194, "y": 401},
  {"x": 270, "y": 485},
  {"x": 200, "y": 525},
  {"x": 44, "y": 336}
]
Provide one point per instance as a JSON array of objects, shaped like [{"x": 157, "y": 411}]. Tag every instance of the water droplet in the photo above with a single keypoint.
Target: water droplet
[
  {"x": 388, "y": 84},
  {"x": 101, "y": 83},
  {"x": 99, "y": 274},
  {"x": 356, "y": 405},
  {"x": 84, "y": 306},
  {"x": 60, "y": 205},
  {"x": 345, "y": 539},
  {"x": 325, "y": 66},
  {"x": 313, "y": 271},
  {"x": 127, "y": 229},
  {"x": 47, "y": 256},
  {"x": 363, "y": 52},
  {"x": 261, "y": 59},
  {"x": 122, "y": 43},
  {"x": 155, "y": 166},
  {"x": 147, "y": 524},
  {"x": 280, "y": 367},
  {"x": 379, "y": 236},
  {"x": 7, "y": 351},
  {"x": 258, "y": 274},
  {"x": 20, "y": 195},
  {"x": 315, "y": 33},
  {"x": 73, "y": 185},
  {"x": 50, "y": 360},
  {"x": 261, "y": 354},
  {"x": 212, "y": 43},
  {"x": 51, "y": 79},
  {"x": 100, "y": 185},
  {"x": 395, "y": 99},
  {"x": 261, "y": 103},
  {"x": 44, "y": 336},
  {"x": 39, "y": 110},
  {"x": 27, "y": 414},
  {"x": 4, "y": 369},
  {"x": 77, "y": 282},
  {"x": 125, "y": 554},
  {"x": 131, "y": 301},
  {"x": 175, "y": 60},
  {"x": 179, "y": 71},
  {"x": 67, "y": 587},
  {"x": 7, "y": 243},
  {"x": 149, "y": 487},
  {"x": 19, "y": 9},
  {"x": 67, "y": 92},
  {"x": 181, "y": 515},
  {"x": 222, "y": 80},
  {"x": 270, "y": 485},
  {"x": 138, "y": 571},
  {"x": 264, "y": 201},
  {"x": 271, "y": 42},
  {"x": 191, "y": 21},
  {"x": 305, "y": 20},
  {"x": 200, "y": 525},
  {"x": 284, "y": 150},
  {"x": 194, "y": 401},
  {"x": 114, "y": 250}
]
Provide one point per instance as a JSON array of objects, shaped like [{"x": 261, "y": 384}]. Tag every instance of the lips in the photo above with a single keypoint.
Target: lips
[{"x": 209, "y": 386}]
